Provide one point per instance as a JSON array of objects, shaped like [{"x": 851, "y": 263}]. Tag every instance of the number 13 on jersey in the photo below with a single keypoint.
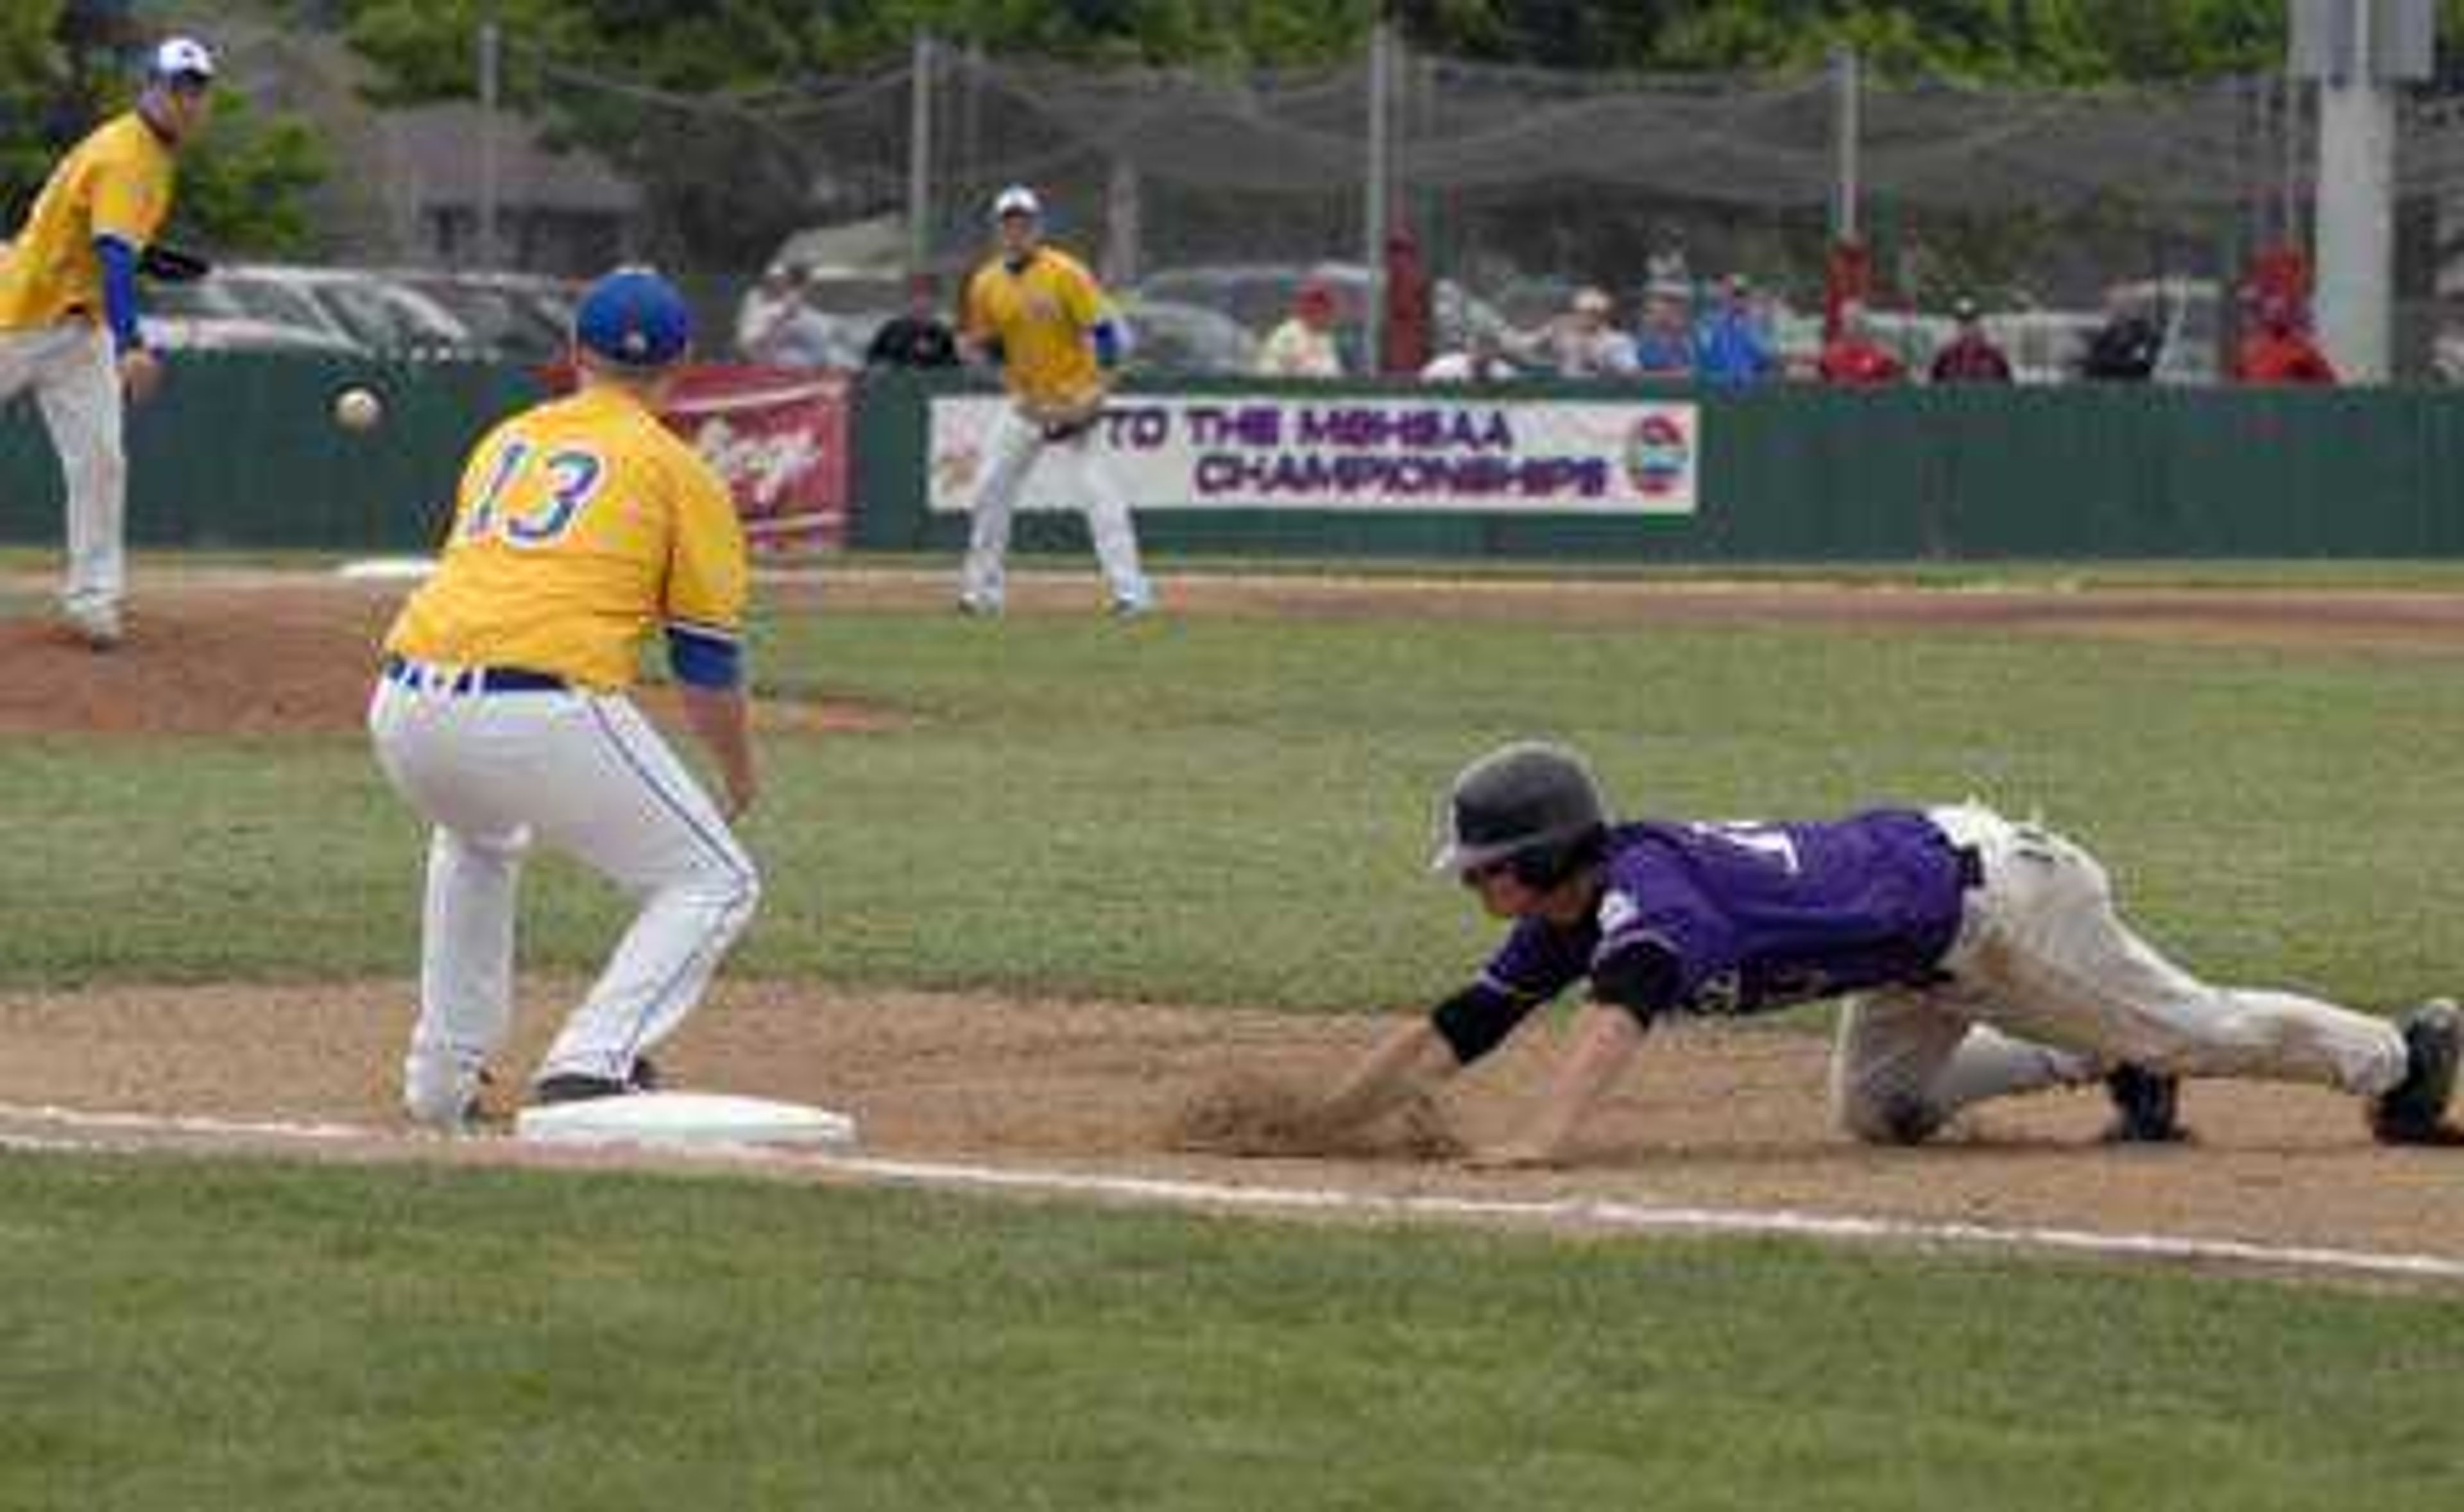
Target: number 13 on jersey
[{"x": 531, "y": 499}]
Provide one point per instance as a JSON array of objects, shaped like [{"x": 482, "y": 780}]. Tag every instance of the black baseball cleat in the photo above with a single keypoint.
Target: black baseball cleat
[
  {"x": 573, "y": 1086},
  {"x": 2146, "y": 1107},
  {"x": 2414, "y": 1110}
]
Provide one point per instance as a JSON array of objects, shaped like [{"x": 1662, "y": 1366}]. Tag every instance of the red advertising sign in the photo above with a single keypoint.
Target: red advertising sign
[{"x": 779, "y": 437}]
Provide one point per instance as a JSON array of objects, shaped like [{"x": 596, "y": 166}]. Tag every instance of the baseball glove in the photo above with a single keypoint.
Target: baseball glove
[
  {"x": 1065, "y": 419},
  {"x": 171, "y": 265}
]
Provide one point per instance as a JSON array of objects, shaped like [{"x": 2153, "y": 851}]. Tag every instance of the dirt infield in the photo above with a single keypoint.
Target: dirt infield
[{"x": 1718, "y": 1117}]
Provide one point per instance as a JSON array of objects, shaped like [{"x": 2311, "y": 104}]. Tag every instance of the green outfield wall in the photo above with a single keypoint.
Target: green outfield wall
[
  {"x": 1808, "y": 474},
  {"x": 241, "y": 452}
]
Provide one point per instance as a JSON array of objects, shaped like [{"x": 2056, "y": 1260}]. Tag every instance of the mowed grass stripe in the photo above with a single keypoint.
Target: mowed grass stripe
[
  {"x": 203, "y": 1335},
  {"x": 1237, "y": 810}
]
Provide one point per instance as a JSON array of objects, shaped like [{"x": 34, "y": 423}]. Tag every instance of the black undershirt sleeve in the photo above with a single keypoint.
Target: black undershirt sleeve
[
  {"x": 1476, "y": 1020},
  {"x": 1642, "y": 978}
]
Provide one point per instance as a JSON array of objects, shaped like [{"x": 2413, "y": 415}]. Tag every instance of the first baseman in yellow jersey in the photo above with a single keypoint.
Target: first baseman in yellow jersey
[
  {"x": 1039, "y": 314},
  {"x": 68, "y": 314},
  {"x": 583, "y": 525}
]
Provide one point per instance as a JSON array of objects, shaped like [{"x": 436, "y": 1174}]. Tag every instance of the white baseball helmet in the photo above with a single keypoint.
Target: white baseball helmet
[
  {"x": 180, "y": 58},
  {"x": 1017, "y": 200}
]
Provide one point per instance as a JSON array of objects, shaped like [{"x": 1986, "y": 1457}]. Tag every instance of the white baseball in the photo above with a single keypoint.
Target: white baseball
[{"x": 358, "y": 409}]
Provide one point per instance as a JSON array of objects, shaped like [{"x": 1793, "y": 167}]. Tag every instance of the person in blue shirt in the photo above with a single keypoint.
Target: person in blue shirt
[
  {"x": 1979, "y": 957},
  {"x": 1732, "y": 345},
  {"x": 1664, "y": 347}
]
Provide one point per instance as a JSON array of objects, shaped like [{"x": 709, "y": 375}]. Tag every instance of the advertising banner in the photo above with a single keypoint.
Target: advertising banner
[
  {"x": 1355, "y": 453},
  {"x": 780, "y": 438}
]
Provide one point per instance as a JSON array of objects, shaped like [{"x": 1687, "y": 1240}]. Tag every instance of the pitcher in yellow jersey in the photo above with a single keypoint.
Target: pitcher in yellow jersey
[
  {"x": 1038, "y": 313},
  {"x": 68, "y": 314},
  {"x": 582, "y": 524}
]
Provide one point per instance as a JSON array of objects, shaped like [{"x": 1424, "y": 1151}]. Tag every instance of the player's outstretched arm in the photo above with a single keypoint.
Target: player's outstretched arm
[
  {"x": 1409, "y": 1064},
  {"x": 1606, "y": 1037}
]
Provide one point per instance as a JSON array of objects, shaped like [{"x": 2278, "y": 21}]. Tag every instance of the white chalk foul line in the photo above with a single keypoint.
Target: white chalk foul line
[{"x": 51, "y": 1128}]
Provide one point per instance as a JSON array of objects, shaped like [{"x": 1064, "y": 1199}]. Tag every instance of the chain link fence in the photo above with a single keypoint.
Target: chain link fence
[{"x": 1207, "y": 197}]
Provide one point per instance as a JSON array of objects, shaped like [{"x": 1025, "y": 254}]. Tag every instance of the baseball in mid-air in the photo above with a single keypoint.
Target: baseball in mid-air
[{"x": 358, "y": 409}]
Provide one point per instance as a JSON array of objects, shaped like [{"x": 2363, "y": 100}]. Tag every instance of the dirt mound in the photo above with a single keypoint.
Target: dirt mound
[{"x": 276, "y": 656}]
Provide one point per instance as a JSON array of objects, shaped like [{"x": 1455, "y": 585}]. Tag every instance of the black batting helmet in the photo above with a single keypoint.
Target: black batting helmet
[{"x": 1530, "y": 804}]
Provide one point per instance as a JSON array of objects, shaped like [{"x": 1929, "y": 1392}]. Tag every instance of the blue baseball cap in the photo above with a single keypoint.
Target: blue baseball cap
[{"x": 633, "y": 318}]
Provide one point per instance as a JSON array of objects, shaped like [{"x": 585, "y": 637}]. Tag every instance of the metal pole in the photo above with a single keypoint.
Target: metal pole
[
  {"x": 1848, "y": 127},
  {"x": 919, "y": 158},
  {"x": 2357, "y": 210},
  {"x": 489, "y": 41},
  {"x": 2289, "y": 137},
  {"x": 1382, "y": 77}
]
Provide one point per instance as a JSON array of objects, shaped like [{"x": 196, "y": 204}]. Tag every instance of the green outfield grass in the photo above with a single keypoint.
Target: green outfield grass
[
  {"x": 192, "y": 1338},
  {"x": 1217, "y": 812},
  {"x": 1229, "y": 810}
]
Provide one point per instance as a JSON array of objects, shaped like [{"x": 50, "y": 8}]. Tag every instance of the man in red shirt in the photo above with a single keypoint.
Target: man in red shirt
[
  {"x": 2279, "y": 351},
  {"x": 1971, "y": 356},
  {"x": 1853, "y": 358}
]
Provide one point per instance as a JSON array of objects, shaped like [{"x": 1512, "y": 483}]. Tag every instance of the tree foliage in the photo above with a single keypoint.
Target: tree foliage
[{"x": 243, "y": 184}]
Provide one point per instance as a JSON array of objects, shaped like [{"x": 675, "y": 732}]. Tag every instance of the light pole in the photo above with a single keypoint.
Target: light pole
[{"x": 2358, "y": 51}]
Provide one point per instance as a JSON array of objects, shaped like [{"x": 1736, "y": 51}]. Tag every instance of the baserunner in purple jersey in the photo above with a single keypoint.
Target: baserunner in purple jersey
[{"x": 1979, "y": 957}]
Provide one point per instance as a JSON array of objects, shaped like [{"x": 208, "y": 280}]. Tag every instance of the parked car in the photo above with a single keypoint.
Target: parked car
[
  {"x": 239, "y": 333},
  {"x": 1168, "y": 337},
  {"x": 368, "y": 309},
  {"x": 522, "y": 317},
  {"x": 2192, "y": 313},
  {"x": 2043, "y": 345},
  {"x": 377, "y": 312}
]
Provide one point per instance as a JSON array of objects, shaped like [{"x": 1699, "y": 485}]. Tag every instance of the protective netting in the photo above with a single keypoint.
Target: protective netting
[{"x": 1520, "y": 184}]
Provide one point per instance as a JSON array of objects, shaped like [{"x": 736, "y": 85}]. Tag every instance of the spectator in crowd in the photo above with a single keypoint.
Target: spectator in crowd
[
  {"x": 1853, "y": 358},
  {"x": 919, "y": 338},
  {"x": 763, "y": 303},
  {"x": 1666, "y": 269},
  {"x": 1303, "y": 346},
  {"x": 1480, "y": 359},
  {"x": 782, "y": 330},
  {"x": 1733, "y": 346},
  {"x": 2279, "y": 349},
  {"x": 1971, "y": 356},
  {"x": 1583, "y": 342},
  {"x": 2126, "y": 347},
  {"x": 1411, "y": 308},
  {"x": 1665, "y": 347}
]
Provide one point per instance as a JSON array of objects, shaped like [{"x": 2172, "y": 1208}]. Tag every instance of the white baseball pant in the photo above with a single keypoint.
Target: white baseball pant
[
  {"x": 1010, "y": 450},
  {"x": 2048, "y": 986},
  {"x": 581, "y": 773},
  {"x": 75, "y": 382}
]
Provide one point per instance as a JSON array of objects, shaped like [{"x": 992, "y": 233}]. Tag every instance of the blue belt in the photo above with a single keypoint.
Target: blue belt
[{"x": 470, "y": 679}]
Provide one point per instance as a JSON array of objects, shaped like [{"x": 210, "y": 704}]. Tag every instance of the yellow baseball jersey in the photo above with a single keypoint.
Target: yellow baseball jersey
[
  {"x": 1041, "y": 315},
  {"x": 115, "y": 183},
  {"x": 582, "y": 524}
]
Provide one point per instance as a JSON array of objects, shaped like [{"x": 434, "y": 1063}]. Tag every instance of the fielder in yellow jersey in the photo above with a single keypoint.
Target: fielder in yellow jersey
[
  {"x": 533, "y": 576},
  {"x": 1039, "y": 315},
  {"x": 68, "y": 316},
  {"x": 583, "y": 525}
]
